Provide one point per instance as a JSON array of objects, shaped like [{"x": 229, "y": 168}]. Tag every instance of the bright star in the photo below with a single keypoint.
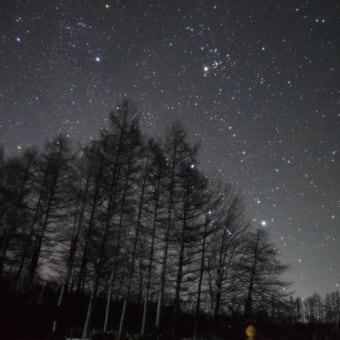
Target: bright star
[
  {"x": 18, "y": 39},
  {"x": 98, "y": 59},
  {"x": 263, "y": 223},
  {"x": 205, "y": 68}
]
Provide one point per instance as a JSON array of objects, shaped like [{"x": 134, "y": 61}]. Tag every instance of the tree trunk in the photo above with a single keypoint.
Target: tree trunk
[
  {"x": 166, "y": 241},
  {"x": 248, "y": 307},
  {"x": 180, "y": 262},
  {"x": 117, "y": 250},
  {"x": 73, "y": 248},
  {"x": 132, "y": 265},
  {"x": 102, "y": 248},
  {"x": 90, "y": 306},
  {"x": 30, "y": 235},
  {"x": 153, "y": 234},
  {"x": 83, "y": 264},
  {"x": 41, "y": 235},
  {"x": 219, "y": 280},
  {"x": 198, "y": 302},
  {"x": 112, "y": 196}
]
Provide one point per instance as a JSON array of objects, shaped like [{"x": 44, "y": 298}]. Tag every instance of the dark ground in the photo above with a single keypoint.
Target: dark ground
[{"x": 28, "y": 317}]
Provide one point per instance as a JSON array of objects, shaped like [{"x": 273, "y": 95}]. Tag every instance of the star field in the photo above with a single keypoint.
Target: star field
[{"x": 256, "y": 82}]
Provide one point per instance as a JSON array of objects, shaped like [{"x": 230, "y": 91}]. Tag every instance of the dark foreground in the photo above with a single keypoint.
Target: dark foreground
[{"x": 22, "y": 317}]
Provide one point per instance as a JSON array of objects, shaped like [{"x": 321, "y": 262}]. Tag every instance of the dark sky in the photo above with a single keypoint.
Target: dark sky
[{"x": 256, "y": 81}]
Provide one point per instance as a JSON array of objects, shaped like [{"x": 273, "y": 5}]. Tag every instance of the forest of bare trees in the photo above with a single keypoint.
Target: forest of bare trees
[{"x": 132, "y": 230}]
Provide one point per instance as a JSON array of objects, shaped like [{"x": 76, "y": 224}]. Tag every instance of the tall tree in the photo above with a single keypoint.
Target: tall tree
[
  {"x": 71, "y": 236},
  {"x": 261, "y": 272},
  {"x": 19, "y": 176},
  {"x": 212, "y": 199},
  {"x": 120, "y": 156},
  {"x": 178, "y": 155},
  {"x": 54, "y": 196},
  {"x": 156, "y": 176},
  {"x": 98, "y": 250},
  {"x": 125, "y": 168},
  {"x": 187, "y": 232},
  {"x": 94, "y": 163},
  {"x": 137, "y": 227},
  {"x": 225, "y": 249}
]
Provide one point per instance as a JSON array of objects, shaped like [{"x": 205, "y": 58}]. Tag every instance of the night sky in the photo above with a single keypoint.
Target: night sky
[{"x": 257, "y": 82}]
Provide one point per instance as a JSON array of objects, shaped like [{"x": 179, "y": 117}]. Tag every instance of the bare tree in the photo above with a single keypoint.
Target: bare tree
[
  {"x": 225, "y": 249},
  {"x": 19, "y": 176},
  {"x": 212, "y": 199},
  {"x": 99, "y": 254},
  {"x": 261, "y": 272},
  {"x": 73, "y": 238},
  {"x": 157, "y": 169},
  {"x": 53, "y": 196},
  {"x": 187, "y": 233},
  {"x": 178, "y": 154}
]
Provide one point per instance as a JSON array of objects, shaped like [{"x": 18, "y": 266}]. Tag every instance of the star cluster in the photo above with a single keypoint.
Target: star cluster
[{"x": 257, "y": 83}]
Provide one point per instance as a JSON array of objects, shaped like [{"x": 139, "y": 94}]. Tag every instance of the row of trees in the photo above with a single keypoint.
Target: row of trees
[
  {"x": 315, "y": 309},
  {"x": 132, "y": 220}
]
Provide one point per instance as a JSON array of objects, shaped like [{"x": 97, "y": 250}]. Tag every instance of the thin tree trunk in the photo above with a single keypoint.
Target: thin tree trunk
[
  {"x": 165, "y": 254},
  {"x": 180, "y": 262},
  {"x": 198, "y": 302},
  {"x": 132, "y": 265},
  {"x": 73, "y": 248},
  {"x": 155, "y": 214},
  {"x": 108, "y": 300},
  {"x": 112, "y": 196},
  {"x": 248, "y": 307},
  {"x": 102, "y": 248},
  {"x": 96, "y": 284},
  {"x": 114, "y": 268},
  {"x": 83, "y": 264},
  {"x": 219, "y": 278},
  {"x": 141, "y": 276},
  {"x": 91, "y": 305},
  {"x": 117, "y": 250}
]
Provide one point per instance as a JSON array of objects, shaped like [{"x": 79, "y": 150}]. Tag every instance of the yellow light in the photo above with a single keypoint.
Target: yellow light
[{"x": 250, "y": 331}]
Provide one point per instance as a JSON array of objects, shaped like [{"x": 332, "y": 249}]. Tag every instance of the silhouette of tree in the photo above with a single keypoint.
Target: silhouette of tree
[{"x": 261, "y": 270}]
